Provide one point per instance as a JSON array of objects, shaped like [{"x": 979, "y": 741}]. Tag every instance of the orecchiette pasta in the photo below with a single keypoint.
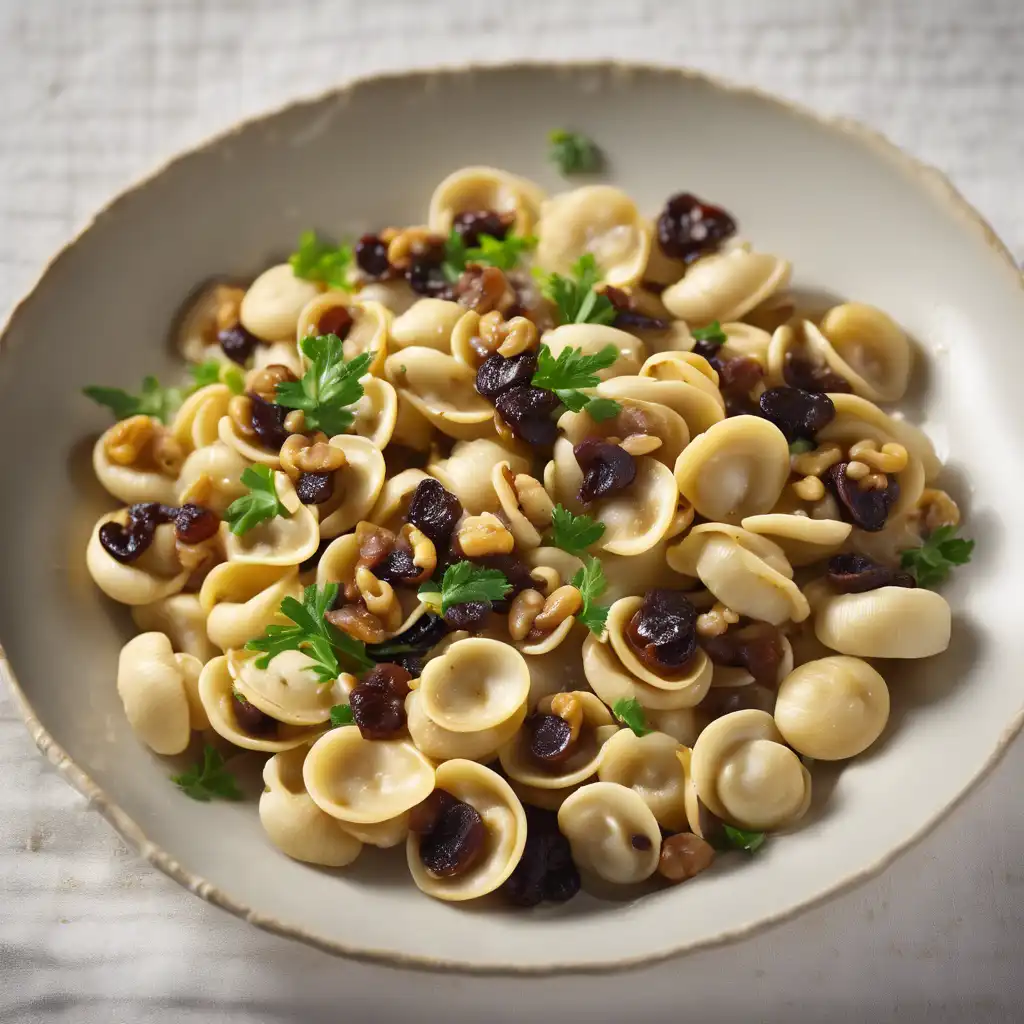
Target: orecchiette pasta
[
  {"x": 650, "y": 766},
  {"x": 274, "y": 302}
]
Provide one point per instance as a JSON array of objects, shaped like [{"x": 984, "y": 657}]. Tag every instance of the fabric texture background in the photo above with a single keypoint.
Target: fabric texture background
[{"x": 98, "y": 92}]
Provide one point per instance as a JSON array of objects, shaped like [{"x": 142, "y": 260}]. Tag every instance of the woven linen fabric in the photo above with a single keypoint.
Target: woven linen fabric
[{"x": 97, "y": 92}]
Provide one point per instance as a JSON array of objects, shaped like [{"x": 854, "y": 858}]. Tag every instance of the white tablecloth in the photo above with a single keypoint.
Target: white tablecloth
[{"x": 97, "y": 92}]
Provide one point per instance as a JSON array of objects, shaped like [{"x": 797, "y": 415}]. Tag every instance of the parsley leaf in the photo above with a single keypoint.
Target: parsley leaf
[
  {"x": 154, "y": 400},
  {"x": 590, "y": 582},
  {"x": 628, "y": 711},
  {"x": 341, "y": 714},
  {"x": 574, "y": 533},
  {"x": 317, "y": 261},
  {"x": 573, "y": 370},
  {"x": 712, "y": 333},
  {"x": 741, "y": 839},
  {"x": 931, "y": 562},
  {"x": 575, "y": 298},
  {"x": 209, "y": 779},
  {"x": 573, "y": 153},
  {"x": 329, "y": 386},
  {"x": 213, "y": 371},
  {"x": 464, "y": 582},
  {"x": 313, "y": 635},
  {"x": 259, "y": 505},
  {"x": 800, "y": 445},
  {"x": 503, "y": 253}
]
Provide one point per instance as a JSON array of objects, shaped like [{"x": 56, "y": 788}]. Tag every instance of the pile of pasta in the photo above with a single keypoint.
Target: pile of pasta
[{"x": 723, "y": 508}]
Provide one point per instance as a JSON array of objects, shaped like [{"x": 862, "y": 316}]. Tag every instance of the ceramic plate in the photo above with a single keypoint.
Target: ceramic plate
[{"x": 858, "y": 220}]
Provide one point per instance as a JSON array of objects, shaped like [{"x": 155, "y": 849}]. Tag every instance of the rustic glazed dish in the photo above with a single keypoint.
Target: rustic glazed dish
[{"x": 857, "y": 219}]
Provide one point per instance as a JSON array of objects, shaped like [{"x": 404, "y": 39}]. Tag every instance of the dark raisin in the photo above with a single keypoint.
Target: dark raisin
[
  {"x": 237, "y": 343},
  {"x": 810, "y": 376},
  {"x": 549, "y": 738},
  {"x": 529, "y": 412},
  {"x": 688, "y": 227},
  {"x": 867, "y": 509},
  {"x": 268, "y": 421},
  {"x": 640, "y": 842},
  {"x": 372, "y": 256},
  {"x": 336, "y": 320},
  {"x": 546, "y": 870},
  {"x": 708, "y": 349},
  {"x": 474, "y": 223},
  {"x": 314, "y": 488},
  {"x": 124, "y": 544},
  {"x": 251, "y": 720},
  {"x": 455, "y": 839},
  {"x": 607, "y": 469},
  {"x": 426, "y": 275},
  {"x": 562, "y": 883},
  {"x": 757, "y": 648},
  {"x": 470, "y": 615},
  {"x": 627, "y": 318},
  {"x": 724, "y": 700},
  {"x": 798, "y": 414},
  {"x": 193, "y": 524},
  {"x": 434, "y": 511},
  {"x": 150, "y": 514},
  {"x": 378, "y": 701},
  {"x": 663, "y": 632},
  {"x": 498, "y": 374},
  {"x": 398, "y": 568},
  {"x": 423, "y": 634},
  {"x": 855, "y": 574},
  {"x": 738, "y": 375}
]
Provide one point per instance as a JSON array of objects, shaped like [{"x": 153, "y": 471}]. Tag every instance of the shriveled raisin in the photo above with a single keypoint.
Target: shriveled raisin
[
  {"x": 549, "y": 738},
  {"x": 314, "y": 488},
  {"x": 738, "y": 375},
  {"x": 498, "y": 374},
  {"x": 856, "y": 574},
  {"x": 423, "y": 634},
  {"x": 663, "y": 632},
  {"x": 473, "y": 223},
  {"x": 434, "y": 511},
  {"x": 546, "y": 870},
  {"x": 336, "y": 320},
  {"x": 124, "y": 544},
  {"x": 529, "y": 412},
  {"x": 193, "y": 524},
  {"x": 798, "y": 414},
  {"x": 398, "y": 568},
  {"x": 607, "y": 468},
  {"x": 426, "y": 275},
  {"x": 627, "y": 317},
  {"x": 237, "y": 343},
  {"x": 455, "y": 841},
  {"x": 807, "y": 375},
  {"x": 470, "y": 615},
  {"x": 150, "y": 514},
  {"x": 268, "y": 421},
  {"x": 688, "y": 227},
  {"x": 867, "y": 509},
  {"x": 757, "y": 648},
  {"x": 371, "y": 254},
  {"x": 251, "y": 720},
  {"x": 378, "y": 701}
]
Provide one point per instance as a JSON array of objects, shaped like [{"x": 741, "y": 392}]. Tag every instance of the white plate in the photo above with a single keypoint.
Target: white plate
[{"x": 857, "y": 218}]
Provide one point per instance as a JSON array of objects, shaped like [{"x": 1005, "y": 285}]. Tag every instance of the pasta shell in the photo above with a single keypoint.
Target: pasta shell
[
  {"x": 470, "y": 189},
  {"x": 229, "y": 434},
  {"x": 182, "y": 619},
  {"x": 649, "y": 765},
  {"x": 368, "y": 331},
  {"x": 357, "y": 485},
  {"x": 591, "y": 339},
  {"x": 279, "y": 353},
  {"x": 218, "y": 467},
  {"x": 196, "y": 422},
  {"x": 467, "y": 472},
  {"x": 442, "y": 744},
  {"x": 504, "y": 820},
  {"x": 395, "y": 296},
  {"x": 700, "y": 406},
  {"x": 240, "y": 600},
  {"x": 656, "y": 420},
  {"x": 392, "y": 504},
  {"x": 803, "y": 540},
  {"x": 376, "y": 413},
  {"x": 195, "y": 335},
  {"x": 277, "y": 541},
  {"x": 525, "y": 533},
  {"x": 273, "y": 303},
  {"x": 138, "y": 582},
  {"x": 427, "y": 323},
  {"x": 131, "y": 484}
]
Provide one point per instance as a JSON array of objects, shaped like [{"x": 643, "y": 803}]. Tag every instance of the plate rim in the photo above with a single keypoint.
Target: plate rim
[{"x": 924, "y": 176}]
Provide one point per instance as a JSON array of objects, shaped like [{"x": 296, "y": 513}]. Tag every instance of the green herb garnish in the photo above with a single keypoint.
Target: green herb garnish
[
  {"x": 590, "y": 582},
  {"x": 931, "y": 562},
  {"x": 741, "y": 839},
  {"x": 573, "y": 370},
  {"x": 315, "y": 260},
  {"x": 503, "y": 253},
  {"x": 329, "y": 386},
  {"x": 464, "y": 582},
  {"x": 214, "y": 371},
  {"x": 573, "y": 153},
  {"x": 259, "y": 505},
  {"x": 800, "y": 445},
  {"x": 313, "y": 635},
  {"x": 574, "y": 533},
  {"x": 713, "y": 333},
  {"x": 629, "y": 712},
  {"x": 576, "y": 299},
  {"x": 154, "y": 400},
  {"x": 209, "y": 779},
  {"x": 341, "y": 714}
]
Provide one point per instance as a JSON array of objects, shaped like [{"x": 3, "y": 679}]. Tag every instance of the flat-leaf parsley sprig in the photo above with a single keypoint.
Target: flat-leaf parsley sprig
[
  {"x": 329, "y": 387},
  {"x": 503, "y": 253},
  {"x": 313, "y": 635},
  {"x": 259, "y": 505},
  {"x": 628, "y": 711},
  {"x": 209, "y": 779},
  {"x": 930, "y": 564},
  {"x": 315, "y": 260},
  {"x": 576, "y": 298},
  {"x": 465, "y": 582},
  {"x": 570, "y": 372},
  {"x": 574, "y": 153},
  {"x": 574, "y": 533},
  {"x": 590, "y": 582}
]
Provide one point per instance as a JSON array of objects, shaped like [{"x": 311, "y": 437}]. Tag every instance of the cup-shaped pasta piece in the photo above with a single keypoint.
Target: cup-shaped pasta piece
[
  {"x": 890, "y": 622},
  {"x": 684, "y": 725},
  {"x": 287, "y": 689},
  {"x": 440, "y": 744},
  {"x": 622, "y": 571},
  {"x": 196, "y": 423},
  {"x": 392, "y": 505},
  {"x": 832, "y": 708},
  {"x": 467, "y": 472},
  {"x": 636, "y": 419},
  {"x": 442, "y": 390},
  {"x": 240, "y": 599},
  {"x": 477, "y": 684},
  {"x": 546, "y": 799},
  {"x": 395, "y": 295},
  {"x": 158, "y": 690},
  {"x": 525, "y": 505},
  {"x": 747, "y": 776},
  {"x": 596, "y": 219},
  {"x": 365, "y": 781},
  {"x": 137, "y": 460},
  {"x": 688, "y": 367},
  {"x": 874, "y": 351},
  {"x": 376, "y": 413},
  {"x": 217, "y": 693},
  {"x": 591, "y": 339},
  {"x": 153, "y": 576},
  {"x": 197, "y": 328},
  {"x": 182, "y": 619},
  {"x": 211, "y": 476},
  {"x": 294, "y": 824},
  {"x": 427, "y": 323},
  {"x": 363, "y": 326},
  {"x": 803, "y": 540},
  {"x": 471, "y": 189},
  {"x": 725, "y": 286},
  {"x": 356, "y": 485},
  {"x": 699, "y": 404},
  {"x": 650, "y": 766},
  {"x": 279, "y": 353},
  {"x": 612, "y": 832},
  {"x": 737, "y": 468},
  {"x": 693, "y": 678},
  {"x": 504, "y": 822},
  {"x": 281, "y": 540},
  {"x": 273, "y": 302},
  {"x": 594, "y": 728},
  {"x": 746, "y": 572},
  {"x": 382, "y": 834},
  {"x": 252, "y": 449},
  {"x": 412, "y": 428}
]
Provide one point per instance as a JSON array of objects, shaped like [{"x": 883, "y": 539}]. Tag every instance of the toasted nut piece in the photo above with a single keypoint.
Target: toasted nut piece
[
  {"x": 379, "y": 598},
  {"x": 264, "y": 382},
  {"x": 424, "y": 554},
  {"x": 568, "y": 707},
  {"x": 229, "y": 302},
  {"x": 874, "y": 482},
  {"x": 937, "y": 509},
  {"x": 167, "y": 453},
  {"x": 301, "y": 454},
  {"x": 891, "y": 459},
  {"x": 127, "y": 441},
  {"x": 640, "y": 444},
  {"x": 484, "y": 289},
  {"x": 809, "y": 489},
  {"x": 683, "y": 856},
  {"x": 562, "y": 604},
  {"x": 409, "y": 242},
  {"x": 240, "y": 413},
  {"x": 525, "y": 607},
  {"x": 716, "y": 621},
  {"x": 197, "y": 556},
  {"x": 357, "y": 622},
  {"x": 548, "y": 576},
  {"x": 295, "y": 421},
  {"x": 484, "y": 534},
  {"x": 815, "y": 463},
  {"x": 857, "y": 470},
  {"x": 489, "y": 331},
  {"x": 535, "y": 502},
  {"x": 520, "y": 335}
]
